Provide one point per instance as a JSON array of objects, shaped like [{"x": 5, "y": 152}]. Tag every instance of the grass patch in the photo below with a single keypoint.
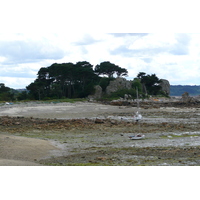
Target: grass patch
[
  {"x": 55, "y": 101},
  {"x": 64, "y": 100}
]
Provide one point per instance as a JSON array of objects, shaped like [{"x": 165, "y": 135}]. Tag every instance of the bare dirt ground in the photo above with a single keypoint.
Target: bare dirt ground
[{"x": 93, "y": 134}]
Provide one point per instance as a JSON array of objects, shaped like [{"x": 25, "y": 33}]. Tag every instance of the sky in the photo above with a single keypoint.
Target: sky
[{"x": 35, "y": 35}]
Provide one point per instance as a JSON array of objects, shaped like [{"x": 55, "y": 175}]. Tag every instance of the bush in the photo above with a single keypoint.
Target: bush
[
  {"x": 137, "y": 84},
  {"x": 122, "y": 92}
]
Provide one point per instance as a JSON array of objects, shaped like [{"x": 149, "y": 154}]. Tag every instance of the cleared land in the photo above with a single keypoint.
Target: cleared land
[{"x": 86, "y": 133}]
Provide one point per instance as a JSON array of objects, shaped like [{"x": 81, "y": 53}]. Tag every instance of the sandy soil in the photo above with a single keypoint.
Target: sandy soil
[
  {"x": 61, "y": 110},
  {"x": 15, "y": 150},
  {"x": 95, "y": 134}
]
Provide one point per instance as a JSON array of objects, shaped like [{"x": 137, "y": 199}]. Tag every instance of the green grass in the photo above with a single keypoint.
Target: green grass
[
  {"x": 67, "y": 100},
  {"x": 64, "y": 100}
]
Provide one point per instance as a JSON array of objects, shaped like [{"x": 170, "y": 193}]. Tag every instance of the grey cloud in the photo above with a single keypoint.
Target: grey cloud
[
  {"x": 83, "y": 50},
  {"x": 86, "y": 40},
  {"x": 29, "y": 51},
  {"x": 11, "y": 73},
  {"x": 123, "y": 50},
  {"x": 147, "y": 60},
  {"x": 181, "y": 47},
  {"x": 174, "y": 63},
  {"x": 129, "y": 34}
]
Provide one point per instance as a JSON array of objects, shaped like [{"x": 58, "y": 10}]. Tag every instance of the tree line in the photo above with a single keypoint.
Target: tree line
[
  {"x": 6, "y": 93},
  {"x": 69, "y": 80}
]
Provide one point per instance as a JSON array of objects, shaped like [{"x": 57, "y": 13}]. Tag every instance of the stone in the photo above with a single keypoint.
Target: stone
[
  {"x": 101, "y": 158},
  {"x": 186, "y": 97},
  {"x": 121, "y": 83},
  {"x": 99, "y": 121},
  {"x": 165, "y": 86},
  {"x": 118, "y": 84},
  {"x": 97, "y": 93},
  {"x": 17, "y": 123}
]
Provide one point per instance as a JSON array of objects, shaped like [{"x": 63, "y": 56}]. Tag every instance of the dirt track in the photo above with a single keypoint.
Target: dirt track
[{"x": 96, "y": 134}]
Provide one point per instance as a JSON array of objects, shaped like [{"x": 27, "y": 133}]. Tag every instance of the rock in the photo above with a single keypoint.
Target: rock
[
  {"x": 186, "y": 97},
  {"x": 165, "y": 86},
  {"x": 97, "y": 94},
  {"x": 116, "y": 103},
  {"x": 114, "y": 122},
  {"x": 101, "y": 158},
  {"x": 99, "y": 121},
  {"x": 117, "y": 84},
  {"x": 127, "y": 97},
  {"x": 17, "y": 123}
]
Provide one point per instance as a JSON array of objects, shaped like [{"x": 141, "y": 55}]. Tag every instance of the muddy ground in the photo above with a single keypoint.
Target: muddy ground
[{"x": 95, "y": 134}]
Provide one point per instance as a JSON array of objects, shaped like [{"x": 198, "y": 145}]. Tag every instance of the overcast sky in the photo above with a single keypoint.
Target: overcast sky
[{"x": 38, "y": 35}]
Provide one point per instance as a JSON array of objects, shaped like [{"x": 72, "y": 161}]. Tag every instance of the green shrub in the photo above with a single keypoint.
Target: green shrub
[{"x": 122, "y": 92}]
